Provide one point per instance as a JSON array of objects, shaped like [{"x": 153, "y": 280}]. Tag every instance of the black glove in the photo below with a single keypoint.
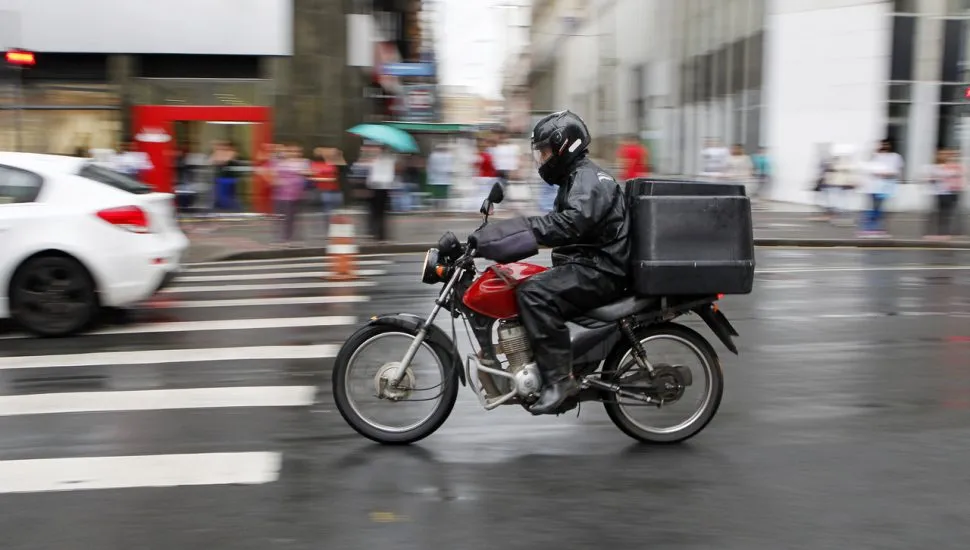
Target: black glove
[{"x": 505, "y": 241}]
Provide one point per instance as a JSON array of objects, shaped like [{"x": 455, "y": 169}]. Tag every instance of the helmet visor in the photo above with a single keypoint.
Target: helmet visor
[{"x": 541, "y": 154}]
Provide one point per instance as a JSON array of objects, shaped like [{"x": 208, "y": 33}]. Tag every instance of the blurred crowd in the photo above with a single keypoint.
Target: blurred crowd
[
  {"x": 844, "y": 175},
  {"x": 458, "y": 171}
]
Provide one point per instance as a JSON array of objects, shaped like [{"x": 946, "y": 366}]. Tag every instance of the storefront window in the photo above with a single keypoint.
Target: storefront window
[
  {"x": 66, "y": 132},
  {"x": 903, "y": 39},
  {"x": 61, "y": 118}
]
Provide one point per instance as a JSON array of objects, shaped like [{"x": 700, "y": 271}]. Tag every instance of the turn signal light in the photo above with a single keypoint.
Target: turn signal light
[{"x": 129, "y": 218}]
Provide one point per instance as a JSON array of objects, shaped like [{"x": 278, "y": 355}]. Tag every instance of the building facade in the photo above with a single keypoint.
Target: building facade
[
  {"x": 246, "y": 70},
  {"x": 516, "y": 58},
  {"x": 790, "y": 75}
]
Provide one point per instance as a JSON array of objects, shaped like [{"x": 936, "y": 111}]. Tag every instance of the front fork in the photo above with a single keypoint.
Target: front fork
[{"x": 439, "y": 302}]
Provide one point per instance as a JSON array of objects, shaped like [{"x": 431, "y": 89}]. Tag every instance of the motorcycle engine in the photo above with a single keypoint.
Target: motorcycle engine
[{"x": 514, "y": 343}]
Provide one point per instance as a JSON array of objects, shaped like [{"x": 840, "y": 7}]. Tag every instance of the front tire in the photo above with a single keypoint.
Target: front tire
[
  {"x": 344, "y": 403},
  {"x": 702, "y": 349}
]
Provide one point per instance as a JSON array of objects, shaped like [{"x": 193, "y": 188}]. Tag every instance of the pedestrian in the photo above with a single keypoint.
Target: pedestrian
[
  {"x": 714, "y": 160},
  {"x": 225, "y": 162},
  {"x": 505, "y": 155},
  {"x": 821, "y": 188},
  {"x": 884, "y": 172},
  {"x": 762, "y": 173},
  {"x": 292, "y": 172},
  {"x": 486, "y": 172},
  {"x": 739, "y": 168},
  {"x": 324, "y": 175},
  {"x": 946, "y": 180},
  {"x": 264, "y": 174},
  {"x": 381, "y": 180},
  {"x": 411, "y": 176},
  {"x": 632, "y": 159},
  {"x": 440, "y": 174},
  {"x": 840, "y": 180},
  {"x": 132, "y": 162}
]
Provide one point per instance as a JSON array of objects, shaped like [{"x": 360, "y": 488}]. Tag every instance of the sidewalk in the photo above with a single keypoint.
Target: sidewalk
[{"x": 215, "y": 239}]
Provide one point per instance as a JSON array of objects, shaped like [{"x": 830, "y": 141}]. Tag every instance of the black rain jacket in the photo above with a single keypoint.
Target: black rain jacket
[{"x": 588, "y": 226}]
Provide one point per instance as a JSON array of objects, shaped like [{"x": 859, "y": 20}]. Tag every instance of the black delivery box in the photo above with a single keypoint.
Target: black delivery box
[
  {"x": 659, "y": 187},
  {"x": 690, "y": 238}
]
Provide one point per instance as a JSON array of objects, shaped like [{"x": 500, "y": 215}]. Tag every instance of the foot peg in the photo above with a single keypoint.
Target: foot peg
[{"x": 553, "y": 395}]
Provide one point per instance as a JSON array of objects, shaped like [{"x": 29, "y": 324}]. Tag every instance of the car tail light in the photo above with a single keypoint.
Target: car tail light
[{"x": 130, "y": 218}]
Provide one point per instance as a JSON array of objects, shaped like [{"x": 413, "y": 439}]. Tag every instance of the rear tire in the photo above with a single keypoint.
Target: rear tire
[
  {"x": 449, "y": 390},
  {"x": 705, "y": 352},
  {"x": 60, "y": 280}
]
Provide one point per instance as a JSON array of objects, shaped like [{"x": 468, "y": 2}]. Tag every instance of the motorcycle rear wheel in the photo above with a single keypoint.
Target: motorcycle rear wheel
[
  {"x": 701, "y": 348},
  {"x": 344, "y": 362}
]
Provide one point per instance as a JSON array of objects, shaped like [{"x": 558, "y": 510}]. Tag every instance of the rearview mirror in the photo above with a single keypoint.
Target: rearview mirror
[
  {"x": 487, "y": 209},
  {"x": 497, "y": 194}
]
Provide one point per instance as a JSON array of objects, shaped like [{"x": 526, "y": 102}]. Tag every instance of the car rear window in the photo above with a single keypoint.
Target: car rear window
[
  {"x": 117, "y": 180},
  {"x": 18, "y": 186}
]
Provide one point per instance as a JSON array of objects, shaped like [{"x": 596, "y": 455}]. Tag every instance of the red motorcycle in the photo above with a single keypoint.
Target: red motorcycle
[{"x": 617, "y": 351}]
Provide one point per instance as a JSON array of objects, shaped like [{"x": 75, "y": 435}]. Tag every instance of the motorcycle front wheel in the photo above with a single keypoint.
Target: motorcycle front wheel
[
  {"x": 429, "y": 388},
  {"x": 705, "y": 377}
]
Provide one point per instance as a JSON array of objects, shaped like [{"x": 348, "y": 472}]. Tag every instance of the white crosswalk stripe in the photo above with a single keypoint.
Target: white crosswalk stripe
[
  {"x": 276, "y": 267},
  {"x": 287, "y": 301},
  {"x": 273, "y": 276},
  {"x": 270, "y": 286},
  {"x": 120, "y": 472},
  {"x": 228, "y": 338},
  {"x": 230, "y": 324}
]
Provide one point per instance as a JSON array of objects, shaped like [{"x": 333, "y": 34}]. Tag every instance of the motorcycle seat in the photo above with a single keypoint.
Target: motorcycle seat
[{"x": 624, "y": 307}]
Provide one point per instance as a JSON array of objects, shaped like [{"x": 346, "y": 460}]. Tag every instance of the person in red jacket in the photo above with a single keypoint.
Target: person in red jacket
[
  {"x": 486, "y": 165},
  {"x": 632, "y": 159}
]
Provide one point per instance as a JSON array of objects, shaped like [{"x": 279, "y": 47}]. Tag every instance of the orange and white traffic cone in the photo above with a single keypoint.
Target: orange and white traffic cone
[{"x": 341, "y": 247}]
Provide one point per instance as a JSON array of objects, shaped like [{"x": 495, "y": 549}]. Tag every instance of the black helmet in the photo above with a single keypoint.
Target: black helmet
[{"x": 566, "y": 136}]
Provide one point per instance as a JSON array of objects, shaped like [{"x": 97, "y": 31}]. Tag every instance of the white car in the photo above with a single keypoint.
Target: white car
[{"x": 76, "y": 236}]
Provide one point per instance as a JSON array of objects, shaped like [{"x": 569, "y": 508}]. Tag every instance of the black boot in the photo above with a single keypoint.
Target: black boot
[{"x": 558, "y": 387}]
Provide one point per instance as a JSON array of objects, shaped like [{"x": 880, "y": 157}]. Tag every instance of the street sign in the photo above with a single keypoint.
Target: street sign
[
  {"x": 20, "y": 58},
  {"x": 419, "y": 102},
  {"x": 408, "y": 69}
]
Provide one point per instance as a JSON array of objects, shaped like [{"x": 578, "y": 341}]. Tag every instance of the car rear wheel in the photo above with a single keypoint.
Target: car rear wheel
[{"x": 53, "y": 296}]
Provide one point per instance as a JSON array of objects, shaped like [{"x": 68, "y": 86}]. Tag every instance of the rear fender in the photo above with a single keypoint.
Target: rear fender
[
  {"x": 719, "y": 325},
  {"x": 436, "y": 338}
]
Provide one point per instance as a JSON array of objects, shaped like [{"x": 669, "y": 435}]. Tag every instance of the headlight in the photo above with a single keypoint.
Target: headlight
[{"x": 432, "y": 272}]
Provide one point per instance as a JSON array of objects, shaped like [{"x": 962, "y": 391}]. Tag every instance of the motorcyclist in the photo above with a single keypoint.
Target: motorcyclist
[{"x": 588, "y": 230}]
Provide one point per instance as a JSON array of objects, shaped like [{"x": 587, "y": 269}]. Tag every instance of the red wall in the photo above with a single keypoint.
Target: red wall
[{"x": 160, "y": 118}]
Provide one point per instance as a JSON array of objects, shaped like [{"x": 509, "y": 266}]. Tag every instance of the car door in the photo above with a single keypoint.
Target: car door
[{"x": 19, "y": 190}]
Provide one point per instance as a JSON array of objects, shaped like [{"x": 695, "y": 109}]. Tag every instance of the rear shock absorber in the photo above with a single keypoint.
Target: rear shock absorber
[{"x": 639, "y": 354}]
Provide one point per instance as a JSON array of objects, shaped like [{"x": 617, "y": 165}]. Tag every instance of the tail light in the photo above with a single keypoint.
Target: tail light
[
  {"x": 720, "y": 296},
  {"x": 130, "y": 218}
]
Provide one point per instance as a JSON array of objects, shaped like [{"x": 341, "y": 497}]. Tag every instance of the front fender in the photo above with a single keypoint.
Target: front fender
[{"x": 436, "y": 337}]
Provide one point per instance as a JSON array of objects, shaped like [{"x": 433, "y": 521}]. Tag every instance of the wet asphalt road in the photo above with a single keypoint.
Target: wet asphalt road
[{"x": 845, "y": 424}]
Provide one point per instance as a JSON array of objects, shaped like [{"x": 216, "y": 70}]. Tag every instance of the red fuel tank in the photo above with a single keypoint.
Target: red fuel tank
[{"x": 493, "y": 294}]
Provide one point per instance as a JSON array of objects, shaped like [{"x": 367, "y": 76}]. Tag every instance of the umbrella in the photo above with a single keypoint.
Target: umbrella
[{"x": 388, "y": 135}]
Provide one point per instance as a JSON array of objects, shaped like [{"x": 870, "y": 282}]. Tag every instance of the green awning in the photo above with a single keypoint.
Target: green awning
[{"x": 433, "y": 127}]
